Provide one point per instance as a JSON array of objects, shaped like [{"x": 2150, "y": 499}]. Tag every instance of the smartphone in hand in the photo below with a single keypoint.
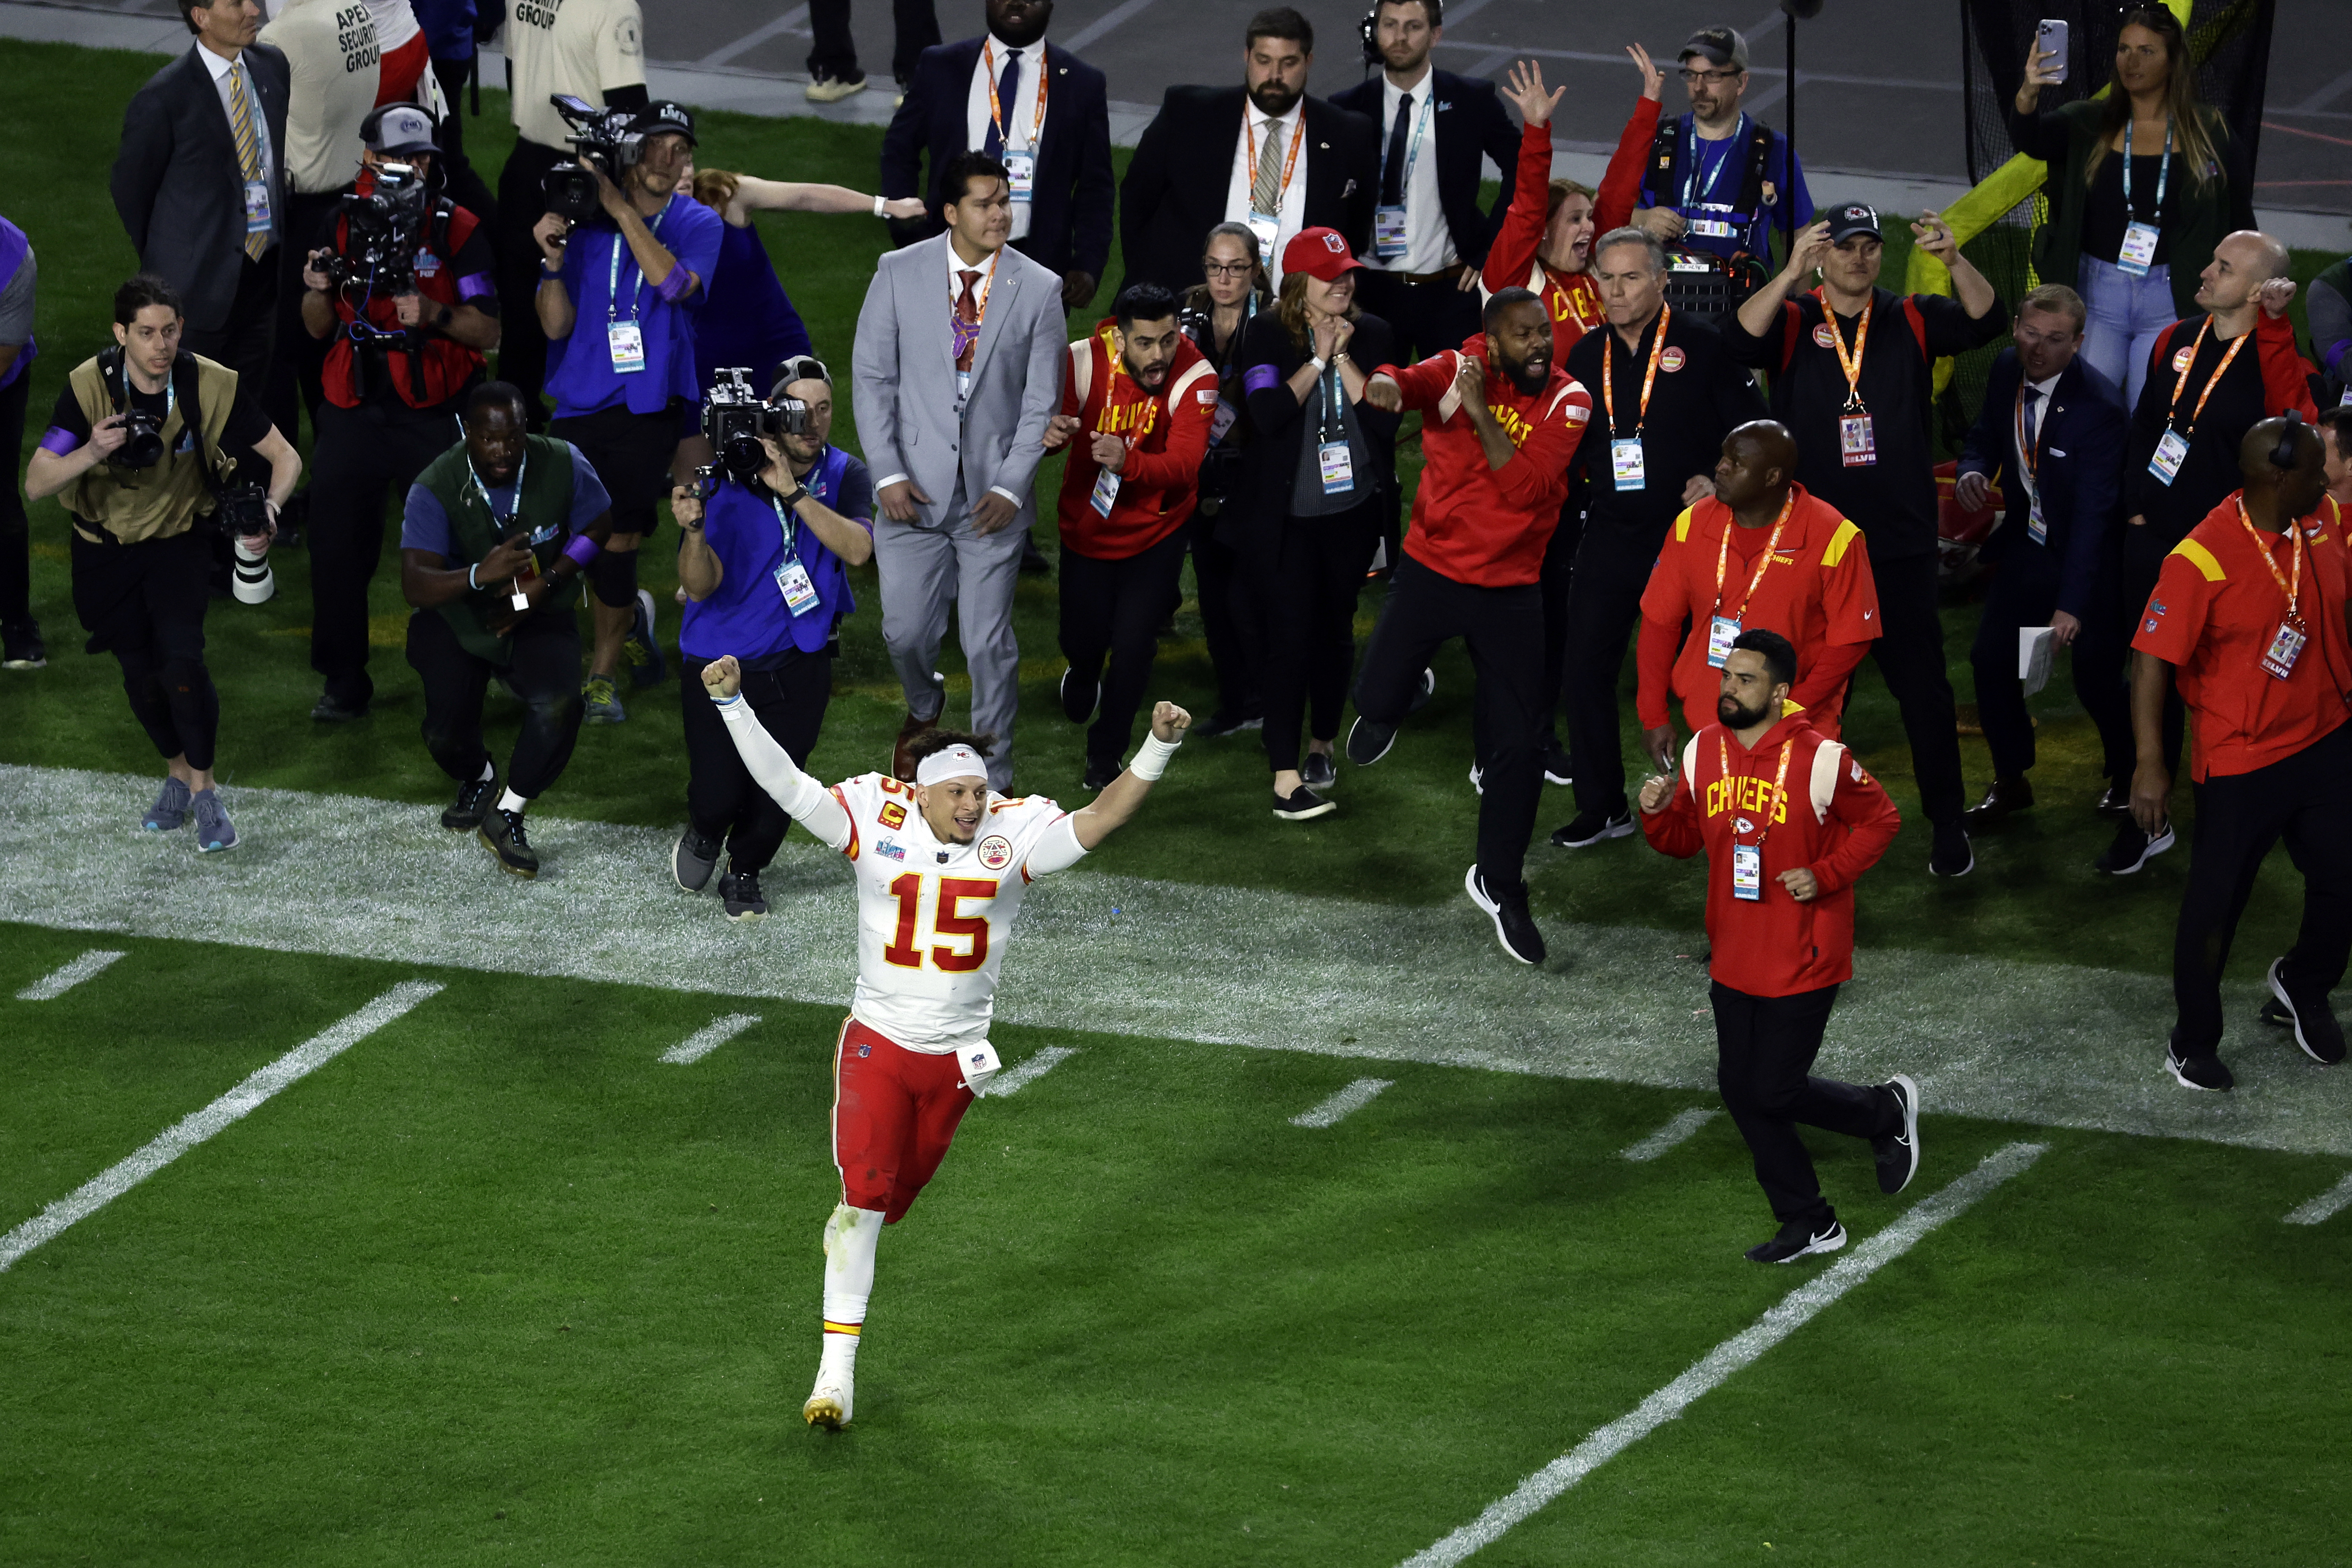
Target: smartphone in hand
[{"x": 2051, "y": 37}]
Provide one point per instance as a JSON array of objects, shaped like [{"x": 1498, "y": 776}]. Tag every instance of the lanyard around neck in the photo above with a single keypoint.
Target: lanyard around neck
[
  {"x": 1723, "y": 554},
  {"x": 1690, "y": 175},
  {"x": 2163, "y": 174},
  {"x": 996, "y": 107},
  {"x": 1413, "y": 148},
  {"x": 1290, "y": 162},
  {"x": 2180, "y": 382},
  {"x": 2291, "y": 588},
  {"x": 1779, "y": 795},
  {"x": 1849, "y": 362},
  {"x": 612, "y": 274},
  {"x": 490, "y": 506},
  {"x": 1649, "y": 376}
]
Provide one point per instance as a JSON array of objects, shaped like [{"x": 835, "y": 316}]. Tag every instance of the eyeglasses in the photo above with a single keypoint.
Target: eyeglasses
[
  {"x": 1228, "y": 269},
  {"x": 1694, "y": 79}
]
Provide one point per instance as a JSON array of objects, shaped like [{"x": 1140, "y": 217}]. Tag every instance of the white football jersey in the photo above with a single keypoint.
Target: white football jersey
[{"x": 932, "y": 917}]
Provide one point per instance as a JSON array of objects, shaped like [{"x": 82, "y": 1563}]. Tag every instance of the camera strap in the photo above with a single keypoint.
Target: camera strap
[{"x": 185, "y": 382}]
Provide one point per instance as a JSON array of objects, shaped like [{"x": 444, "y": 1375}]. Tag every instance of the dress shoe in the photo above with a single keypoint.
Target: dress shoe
[
  {"x": 2006, "y": 795},
  {"x": 2115, "y": 799}
]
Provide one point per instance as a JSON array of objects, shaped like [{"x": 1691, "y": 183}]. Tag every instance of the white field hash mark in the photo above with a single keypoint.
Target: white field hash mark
[
  {"x": 1786, "y": 1318},
  {"x": 1012, "y": 1079},
  {"x": 50, "y": 987},
  {"x": 1348, "y": 1102},
  {"x": 2326, "y": 1206},
  {"x": 709, "y": 1037},
  {"x": 1682, "y": 1124},
  {"x": 191, "y": 1131}
]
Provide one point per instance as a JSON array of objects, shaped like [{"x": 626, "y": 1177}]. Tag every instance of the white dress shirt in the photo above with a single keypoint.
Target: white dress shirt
[
  {"x": 2041, "y": 412},
  {"x": 1428, "y": 243},
  {"x": 220, "y": 69},
  {"x": 1025, "y": 122},
  {"x": 1293, "y": 214}
]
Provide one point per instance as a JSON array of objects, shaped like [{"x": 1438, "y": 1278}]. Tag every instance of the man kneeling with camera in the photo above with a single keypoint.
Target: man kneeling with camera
[
  {"x": 496, "y": 532},
  {"x": 769, "y": 533},
  {"x": 146, "y": 441}
]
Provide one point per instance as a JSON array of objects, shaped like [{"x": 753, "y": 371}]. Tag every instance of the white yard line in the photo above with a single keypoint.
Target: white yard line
[
  {"x": 709, "y": 1037},
  {"x": 1794, "y": 1312},
  {"x": 1012, "y": 1080},
  {"x": 1113, "y": 17},
  {"x": 2326, "y": 1206},
  {"x": 1682, "y": 1126},
  {"x": 51, "y": 986},
  {"x": 290, "y": 1069},
  {"x": 792, "y": 21},
  {"x": 1348, "y": 1102}
]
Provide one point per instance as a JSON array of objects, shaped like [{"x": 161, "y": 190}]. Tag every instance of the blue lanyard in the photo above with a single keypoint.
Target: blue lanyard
[
  {"x": 1690, "y": 175},
  {"x": 787, "y": 518},
  {"x": 2163, "y": 173},
  {"x": 1413, "y": 148},
  {"x": 612, "y": 274},
  {"x": 492, "y": 507}
]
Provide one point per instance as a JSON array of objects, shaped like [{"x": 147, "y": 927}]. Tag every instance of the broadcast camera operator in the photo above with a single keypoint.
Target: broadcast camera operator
[
  {"x": 768, "y": 537},
  {"x": 629, "y": 282},
  {"x": 146, "y": 442},
  {"x": 402, "y": 285}
]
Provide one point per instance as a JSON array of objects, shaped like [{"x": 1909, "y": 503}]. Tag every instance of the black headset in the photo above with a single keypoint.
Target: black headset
[{"x": 2283, "y": 456}]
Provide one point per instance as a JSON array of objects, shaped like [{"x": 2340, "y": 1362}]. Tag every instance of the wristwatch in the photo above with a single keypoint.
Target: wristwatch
[{"x": 799, "y": 494}]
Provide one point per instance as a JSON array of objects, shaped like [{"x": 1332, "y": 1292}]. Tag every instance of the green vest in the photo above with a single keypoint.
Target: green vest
[
  {"x": 136, "y": 504},
  {"x": 544, "y": 510}
]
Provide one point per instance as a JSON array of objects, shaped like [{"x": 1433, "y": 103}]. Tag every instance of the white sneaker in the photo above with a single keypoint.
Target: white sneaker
[
  {"x": 829, "y": 1404},
  {"x": 833, "y": 90}
]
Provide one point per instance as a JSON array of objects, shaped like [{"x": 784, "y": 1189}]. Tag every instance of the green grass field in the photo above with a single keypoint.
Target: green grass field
[{"x": 498, "y": 1285}]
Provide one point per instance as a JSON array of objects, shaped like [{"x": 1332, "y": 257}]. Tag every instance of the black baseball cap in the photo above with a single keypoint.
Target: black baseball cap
[
  {"x": 1850, "y": 219},
  {"x": 1719, "y": 46},
  {"x": 661, "y": 115}
]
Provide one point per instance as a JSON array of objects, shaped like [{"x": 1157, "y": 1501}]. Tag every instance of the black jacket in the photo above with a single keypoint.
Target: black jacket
[
  {"x": 1174, "y": 192},
  {"x": 1069, "y": 214},
  {"x": 2079, "y": 471},
  {"x": 1470, "y": 124},
  {"x": 1277, "y": 425},
  {"x": 176, "y": 185},
  {"x": 1693, "y": 407}
]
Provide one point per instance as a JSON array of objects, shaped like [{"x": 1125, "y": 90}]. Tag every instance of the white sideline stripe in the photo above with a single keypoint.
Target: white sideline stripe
[
  {"x": 1012, "y": 1080},
  {"x": 709, "y": 1037},
  {"x": 792, "y": 21},
  {"x": 51, "y": 986},
  {"x": 1105, "y": 23},
  {"x": 2326, "y": 1206},
  {"x": 191, "y": 1131},
  {"x": 1348, "y": 1102},
  {"x": 1792, "y": 1313},
  {"x": 1682, "y": 1126}
]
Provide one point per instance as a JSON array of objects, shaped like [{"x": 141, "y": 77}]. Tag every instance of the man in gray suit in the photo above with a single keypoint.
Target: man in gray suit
[
  {"x": 957, "y": 370},
  {"x": 200, "y": 183}
]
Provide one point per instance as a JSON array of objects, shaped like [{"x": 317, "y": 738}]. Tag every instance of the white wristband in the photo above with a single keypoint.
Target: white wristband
[
  {"x": 1321, "y": 364},
  {"x": 1151, "y": 761},
  {"x": 880, "y": 210}
]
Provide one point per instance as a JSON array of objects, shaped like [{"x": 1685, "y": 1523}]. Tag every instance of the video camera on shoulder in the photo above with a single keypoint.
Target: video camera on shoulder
[
  {"x": 604, "y": 139},
  {"x": 383, "y": 231},
  {"x": 734, "y": 417}
]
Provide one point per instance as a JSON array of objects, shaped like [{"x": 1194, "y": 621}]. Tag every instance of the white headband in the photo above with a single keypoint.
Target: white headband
[{"x": 954, "y": 762}]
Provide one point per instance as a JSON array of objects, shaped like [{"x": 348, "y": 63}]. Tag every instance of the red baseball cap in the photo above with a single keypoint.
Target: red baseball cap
[{"x": 1319, "y": 252}]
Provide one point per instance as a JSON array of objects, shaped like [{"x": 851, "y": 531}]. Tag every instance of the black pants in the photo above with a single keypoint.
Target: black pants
[
  {"x": 722, "y": 800},
  {"x": 359, "y": 458},
  {"x": 1114, "y": 608},
  {"x": 2025, "y": 594},
  {"x": 631, "y": 453},
  {"x": 145, "y": 604},
  {"x": 835, "y": 54},
  {"x": 522, "y": 347},
  {"x": 1910, "y": 655},
  {"x": 15, "y": 533},
  {"x": 1503, "y": 630},
  {"x": 2144, "y": 551},
  {"x": 1427, "y": 318},
  {"x": 1231, "y": 621},
  {"x": 245, "y": 339},
  {"x": 1558, "y": 571},
  {"x": 458, "y": 175},
  {"x": 545, "y": 673},
  {"x": 300, "y": 359},
  {"x": 2298, "y": 798},
  {"x": 1604, "y": 605},
  {"x": 1311, "y": 626},
  {"x": 1764, "y": 1051}
]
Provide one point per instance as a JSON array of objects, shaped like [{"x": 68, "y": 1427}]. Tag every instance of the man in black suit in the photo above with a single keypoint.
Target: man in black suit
[
  {"x": 200, "y": 182},
  {"x": 1429, "y": 238},
  {"x": 1051, "y": 127},
  {"x": 1184, "y": 180},
  {"x": 2051, "y": 434}
]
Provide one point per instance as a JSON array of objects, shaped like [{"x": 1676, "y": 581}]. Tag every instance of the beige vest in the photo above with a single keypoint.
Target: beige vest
[{"x": 135, "y": 504}]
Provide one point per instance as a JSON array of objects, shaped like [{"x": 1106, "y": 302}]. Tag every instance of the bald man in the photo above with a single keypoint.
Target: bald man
[{"x": 2248, "y": 623}]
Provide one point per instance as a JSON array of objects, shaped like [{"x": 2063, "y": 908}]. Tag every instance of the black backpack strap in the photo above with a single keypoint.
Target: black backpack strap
[
  {"x": 185, "y": 381},
  {"x": 1663, "y": 146},
  {"x": 1759, "y": 158}
]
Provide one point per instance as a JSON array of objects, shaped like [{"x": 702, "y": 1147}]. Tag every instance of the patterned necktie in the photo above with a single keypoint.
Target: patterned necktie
[
  {"x": 967, "y": 320},
  {"x": 2032, "y": 419},
  {"x": 1006, "y": 86},
  {"x": 249, "y": 148},
  {"x": 1265, "y": 191},
  {"x": 1393, "y": 177}
]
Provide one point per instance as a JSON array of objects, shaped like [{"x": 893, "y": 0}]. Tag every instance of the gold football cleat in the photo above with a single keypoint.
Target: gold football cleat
[{"x": 825, "y": 1410}]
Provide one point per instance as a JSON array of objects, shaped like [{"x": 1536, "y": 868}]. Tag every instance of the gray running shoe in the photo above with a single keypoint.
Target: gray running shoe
[
  {"x": 170, "y": 810},
  {"x": 214, "y": 829}
]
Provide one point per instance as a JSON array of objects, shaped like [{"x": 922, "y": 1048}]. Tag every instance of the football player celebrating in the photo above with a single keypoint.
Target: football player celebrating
[{"x": 940, "y": 871}]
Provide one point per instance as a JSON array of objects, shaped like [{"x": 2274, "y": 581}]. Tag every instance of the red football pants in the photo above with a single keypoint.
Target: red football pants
[{"x": 894, "y": 1114}]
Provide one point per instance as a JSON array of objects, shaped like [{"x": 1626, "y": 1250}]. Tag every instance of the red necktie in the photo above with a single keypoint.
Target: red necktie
[{"x": 967, "y": 320}]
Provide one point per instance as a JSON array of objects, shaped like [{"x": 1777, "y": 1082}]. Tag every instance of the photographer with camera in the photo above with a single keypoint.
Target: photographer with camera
[
  {"x": 402, "y": 285},
  {"x": 494, "y": 538},
  {"x": 617, "y": 305},
  {"x": 144, "y": 441},
  {"x": 768, "y": 537}
]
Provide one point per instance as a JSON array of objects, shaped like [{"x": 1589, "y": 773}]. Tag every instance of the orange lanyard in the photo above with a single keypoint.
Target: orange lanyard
[
  {"x": 2180, "y": 382},
  {"x": 1780, "y": 784},
  {"x": 1850, "y": 364},
  {"x": 1144, "y": 422},
  {"x": 2291, "y": 588},
  {"x": 1649, "y": 377},
  {"x": 996, "y": 108},
  {"x": 2030, "y": 453},
  {"x": 1723, "y": 554},
  {"x": 980, "y": 296},
  {"x": 1289, "y": 163}
]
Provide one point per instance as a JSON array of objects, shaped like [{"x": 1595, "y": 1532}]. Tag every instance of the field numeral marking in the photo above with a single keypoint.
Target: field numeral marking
[
  {"x": 1348, "y": 1102},
  {"x": 51, "y": 986}
]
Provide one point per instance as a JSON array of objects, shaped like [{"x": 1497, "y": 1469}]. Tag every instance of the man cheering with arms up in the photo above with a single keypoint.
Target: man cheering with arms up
[{"x": 940, "y": 871}]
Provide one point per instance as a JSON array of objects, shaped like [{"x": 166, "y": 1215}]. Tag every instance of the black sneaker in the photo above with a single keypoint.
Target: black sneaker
[
  {"x": 1898, "y": 1152},
  {"x": 1422, "y": 693},
  {"x": 740, "y": 892},
  {"x": 474, "y": 798},
  {"x": 2316, "y": 1028},
  {"x": 21, "y": 647},
  {"x": 1222, "y": 723},
  {"x": 1799, "y": 1239},
  {"x": 2205, "y": 1072},
  {"x": 501, "y": 834},
  {"x": 333, "y": 709},
  {"x": 1591, "y": 827},
  {"x": 2276, "y": 1014},
  {"x": 691, "y": 862},
  {"x": 1951, "y": 857},
  {"x": 1101, "y": 772},
  {"x": 1079, "y": 697},
  {"x": 2115, "y": 799},
  {"x": 2132, "y": 849},
  {"x": 1321, "y": 772},
  {"x": 1301, "y": 805},
  {"x": 1558, "y": 768},
  {"x": 1508, "y": 908},
  {"x": 1368, "y": 743}
]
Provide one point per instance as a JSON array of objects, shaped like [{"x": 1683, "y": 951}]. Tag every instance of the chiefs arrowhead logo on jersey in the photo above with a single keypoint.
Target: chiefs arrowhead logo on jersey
[
  {"x": 996, "y": 852},
  {"x": 893, "y": 814}
]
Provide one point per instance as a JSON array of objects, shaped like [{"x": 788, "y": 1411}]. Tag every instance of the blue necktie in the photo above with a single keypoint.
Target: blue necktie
[{"x": 1006, "y": 85}]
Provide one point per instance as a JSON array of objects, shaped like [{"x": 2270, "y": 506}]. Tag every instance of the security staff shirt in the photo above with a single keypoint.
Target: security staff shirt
[
  {"x": 1697, "y": 396},
  {"x": 584, "y": 47}
]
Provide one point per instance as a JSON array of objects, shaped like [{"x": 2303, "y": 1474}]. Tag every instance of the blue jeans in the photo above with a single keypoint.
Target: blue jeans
[{"x": 2126, "y": 315}]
